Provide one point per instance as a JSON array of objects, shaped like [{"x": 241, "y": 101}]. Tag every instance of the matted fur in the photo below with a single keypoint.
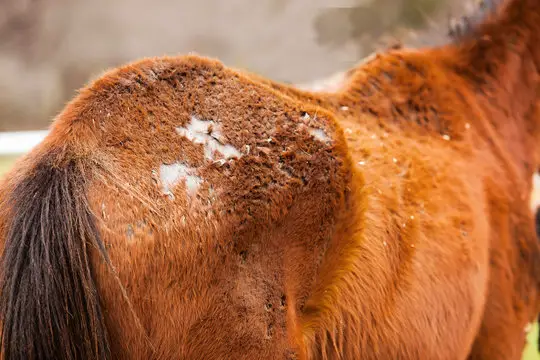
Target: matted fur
[{"x": 247, "y": 219}]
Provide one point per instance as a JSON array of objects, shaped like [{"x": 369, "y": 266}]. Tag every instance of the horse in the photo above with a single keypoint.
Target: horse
[{"x": 182, "y": 209}]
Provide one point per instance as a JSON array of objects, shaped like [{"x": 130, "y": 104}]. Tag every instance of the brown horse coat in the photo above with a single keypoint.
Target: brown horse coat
[{"x": 182, "y": 210}]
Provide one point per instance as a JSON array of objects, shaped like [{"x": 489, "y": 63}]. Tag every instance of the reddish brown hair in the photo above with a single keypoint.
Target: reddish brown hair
[{"x": 245, "y": 219}]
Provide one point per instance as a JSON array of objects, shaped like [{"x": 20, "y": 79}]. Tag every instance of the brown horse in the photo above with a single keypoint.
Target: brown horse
[{"x": 183, "y": 210}]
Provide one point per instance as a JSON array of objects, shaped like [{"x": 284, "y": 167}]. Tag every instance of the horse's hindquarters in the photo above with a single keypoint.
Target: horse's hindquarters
[{"x": 216, "y": 198}]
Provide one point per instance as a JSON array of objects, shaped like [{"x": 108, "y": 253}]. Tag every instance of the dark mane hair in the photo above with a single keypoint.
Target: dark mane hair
[
  {"x": 49, "y": 305},
  {"x": 467, "y": 25}
]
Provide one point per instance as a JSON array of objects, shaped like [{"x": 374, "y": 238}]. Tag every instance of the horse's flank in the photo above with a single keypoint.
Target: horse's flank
[{"x": 247, "y": 219}]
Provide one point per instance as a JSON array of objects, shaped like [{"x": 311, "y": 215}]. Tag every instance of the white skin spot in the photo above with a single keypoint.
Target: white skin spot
[
  {"x": 319, "y": 134},
  {"x": 208, "y": 133},
  {"x": 171, "y": 175}
]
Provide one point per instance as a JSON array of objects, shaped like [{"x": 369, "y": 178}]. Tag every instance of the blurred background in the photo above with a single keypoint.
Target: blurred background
[{"x": 50, "y": 48}]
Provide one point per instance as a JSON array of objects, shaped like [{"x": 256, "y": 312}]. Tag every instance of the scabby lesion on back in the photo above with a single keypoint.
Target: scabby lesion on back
[{"x": 198, "y": 140}]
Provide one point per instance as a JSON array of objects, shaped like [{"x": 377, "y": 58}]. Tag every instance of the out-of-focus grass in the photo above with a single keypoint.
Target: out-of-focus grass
[{"x": 531, "y": 352}]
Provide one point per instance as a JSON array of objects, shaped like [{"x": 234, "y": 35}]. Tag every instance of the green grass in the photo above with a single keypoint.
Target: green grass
[{"x": 530, "y": 353}]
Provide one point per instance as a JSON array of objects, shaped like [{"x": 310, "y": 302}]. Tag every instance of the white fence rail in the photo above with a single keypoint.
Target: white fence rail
[{"x": 19, "y": 142}]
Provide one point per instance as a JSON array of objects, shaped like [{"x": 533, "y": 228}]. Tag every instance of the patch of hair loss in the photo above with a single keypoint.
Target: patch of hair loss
[
  {"x": 319, "y": 134},
  {"x": 173, "y": 174},
  {"x": 208, "y": 133}
]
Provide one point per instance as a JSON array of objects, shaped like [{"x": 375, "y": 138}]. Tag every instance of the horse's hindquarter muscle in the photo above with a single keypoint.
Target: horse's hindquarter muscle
[{"x": 216, "y": 198}]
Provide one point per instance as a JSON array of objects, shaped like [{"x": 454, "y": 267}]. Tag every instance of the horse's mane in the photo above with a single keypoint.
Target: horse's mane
[{"x": 469, "y": 25}]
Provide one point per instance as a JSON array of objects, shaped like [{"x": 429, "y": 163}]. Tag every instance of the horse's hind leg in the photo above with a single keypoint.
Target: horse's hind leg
[
  {"x": 510, "y": 304},
  {"x": 501, "y": 336}
]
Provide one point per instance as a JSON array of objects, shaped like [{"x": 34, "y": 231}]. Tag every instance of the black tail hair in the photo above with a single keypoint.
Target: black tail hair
[{"x": 49, "y": 304}]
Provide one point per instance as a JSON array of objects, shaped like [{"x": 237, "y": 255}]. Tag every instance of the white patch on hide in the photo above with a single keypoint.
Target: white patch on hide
[
  {"x": 319, "y": 134},
  {"x": 171, "y": 175},
  {"x": 208, "y": 133}
]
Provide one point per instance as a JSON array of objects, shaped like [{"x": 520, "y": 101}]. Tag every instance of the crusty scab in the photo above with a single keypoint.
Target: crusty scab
[
  {"x": 208, "y": 133},
  {"x": 171, "y": 175},
  {"x": 200, "y": 138}
]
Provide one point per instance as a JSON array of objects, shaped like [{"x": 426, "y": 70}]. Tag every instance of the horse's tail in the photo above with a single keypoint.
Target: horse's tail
[{"x": 49, "y": 304}]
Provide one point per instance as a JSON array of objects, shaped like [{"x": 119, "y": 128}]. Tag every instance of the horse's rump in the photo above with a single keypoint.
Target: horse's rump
[{"x": 192, "y": 173}]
